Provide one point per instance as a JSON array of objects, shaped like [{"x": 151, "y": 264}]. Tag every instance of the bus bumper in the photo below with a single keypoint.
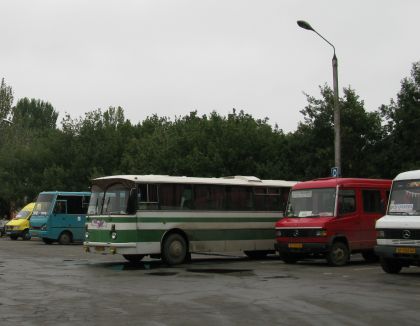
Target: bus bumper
[{"x": 110, "y": 248}]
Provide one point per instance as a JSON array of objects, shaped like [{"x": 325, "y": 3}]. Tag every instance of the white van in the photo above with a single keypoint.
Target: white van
[{"x": 398, "y": 232}]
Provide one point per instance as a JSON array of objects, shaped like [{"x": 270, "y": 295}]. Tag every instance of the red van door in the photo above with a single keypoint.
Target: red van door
[
  {"x": 348, "y": 222},
  {"x": 374, "y": 203}
]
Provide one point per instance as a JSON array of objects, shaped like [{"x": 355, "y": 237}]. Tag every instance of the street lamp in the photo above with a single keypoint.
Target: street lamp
[{"x": 337, "y": 141}]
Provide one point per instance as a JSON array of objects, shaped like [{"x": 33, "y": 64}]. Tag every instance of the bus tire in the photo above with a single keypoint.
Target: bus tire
[
  {"x": 134, "y": 258},
  {"x": 174, "y": 249},
  {"x": 47, "y": 241},
  {"x": 339, "y": 254},
  {"x": 65, "y": 238},
  {"x": 26, "y": 235},
  {"x": 391, "y": 266},
  {"x": 256, "y": 254}
]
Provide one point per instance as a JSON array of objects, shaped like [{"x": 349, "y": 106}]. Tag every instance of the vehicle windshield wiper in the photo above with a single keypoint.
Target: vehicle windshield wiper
[
  {"x": 399, "y": 213},
  {"x": 107, "y": 204}
]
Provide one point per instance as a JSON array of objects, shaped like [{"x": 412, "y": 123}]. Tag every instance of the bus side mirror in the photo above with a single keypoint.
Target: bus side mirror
[{"x": 132, "y": 201}]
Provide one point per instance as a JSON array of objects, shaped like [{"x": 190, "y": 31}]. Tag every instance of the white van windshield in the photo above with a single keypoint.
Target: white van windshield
[{"x": 405, "y": 198}]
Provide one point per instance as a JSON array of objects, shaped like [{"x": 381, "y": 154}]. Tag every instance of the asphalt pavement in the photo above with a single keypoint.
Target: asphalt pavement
[{"x": 62, "y": 285}]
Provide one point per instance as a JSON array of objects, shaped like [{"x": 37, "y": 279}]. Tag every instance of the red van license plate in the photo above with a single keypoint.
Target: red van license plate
[
  {"x": 295, "y": 245},
  {"x": 405, "y": 250}
]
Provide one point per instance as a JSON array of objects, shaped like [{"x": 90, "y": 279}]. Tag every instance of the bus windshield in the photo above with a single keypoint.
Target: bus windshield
[
  {"x": 43, "y": 204},
  {"x": 405, "y": 198},
  {"x": 96, "y": 201},
  {"x": 113, "y": 201},
  {"x": 311, "y": 203}
]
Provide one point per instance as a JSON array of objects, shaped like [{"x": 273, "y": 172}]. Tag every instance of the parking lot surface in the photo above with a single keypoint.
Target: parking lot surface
[{"x": 61, "y": 285}]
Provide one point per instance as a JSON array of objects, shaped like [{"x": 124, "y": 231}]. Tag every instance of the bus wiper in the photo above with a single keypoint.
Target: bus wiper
[{"x": 107, "y": 204}]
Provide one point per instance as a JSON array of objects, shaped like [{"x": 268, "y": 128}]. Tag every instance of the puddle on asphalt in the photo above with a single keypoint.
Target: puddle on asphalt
[
  {"x": 162, "y": 273},
  {"x": 219, "y": 271},
  {"x": 281, "y": 276},
  {"x": 130, "y": 266}
]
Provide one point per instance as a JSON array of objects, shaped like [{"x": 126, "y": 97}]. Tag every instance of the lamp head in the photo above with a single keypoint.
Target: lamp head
[{"x": 305, "y": 25}]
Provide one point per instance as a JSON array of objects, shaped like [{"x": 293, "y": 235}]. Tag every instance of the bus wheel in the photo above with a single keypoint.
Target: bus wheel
[
  {"x": 133, "y": 258},
  {"x": 339, "y": 254},
  {"x": 47, "y": 241},
  {"x": 65, "y": 238},
  {"x": 256, "y": 254},
  {"x": 13, "y": 236},
  {"x": 391, "y": 266},
  {"x": 174, "y": 249},
  {"x": 26, "y": 235}
]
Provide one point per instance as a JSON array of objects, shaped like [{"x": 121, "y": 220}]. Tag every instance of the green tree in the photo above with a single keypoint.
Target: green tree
[
  {"x": 34, "y": 114},
  {"x": 402, "y": 121},
  {"x": 6, "y": 99},
  {"x": 311, "y": 147}
]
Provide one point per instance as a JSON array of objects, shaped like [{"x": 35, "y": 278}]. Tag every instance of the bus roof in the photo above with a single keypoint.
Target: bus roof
[
  {"x": 67, "y": 193},
  {"x": 333, "y": 182},
  {"x": 234, "y": 180},
  {"x": 408, "y": 175}
]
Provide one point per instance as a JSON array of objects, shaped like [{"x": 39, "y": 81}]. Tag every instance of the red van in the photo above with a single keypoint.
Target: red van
[{"x": 332, "y": 218}]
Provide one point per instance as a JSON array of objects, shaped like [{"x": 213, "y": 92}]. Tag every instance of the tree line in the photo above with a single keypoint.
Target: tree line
[{"x": 39, "y": 153}]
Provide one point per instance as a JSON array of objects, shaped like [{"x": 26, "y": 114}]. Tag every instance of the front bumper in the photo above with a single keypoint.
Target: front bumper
[
  {"x": 38, "y": 233},
  {"x": 13, "y": 232},
  {"x": 306, "y": 248},
  {"x": 391, "y": 252},
  {"x": 110, "y": 248}
]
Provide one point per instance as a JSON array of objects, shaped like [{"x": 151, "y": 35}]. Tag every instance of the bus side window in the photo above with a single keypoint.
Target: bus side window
[
  {"x": 148, "y": 196},
  {"x": 60, "y": 207},
  {"x": 186, "y": 199}
]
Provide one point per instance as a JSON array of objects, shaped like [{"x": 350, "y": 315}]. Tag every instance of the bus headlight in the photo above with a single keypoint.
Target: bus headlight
[
  {"x": 380, "y": 234},
  {"x": 113, "y": 235},
  {"x": 43, "y": 227},
  {"x": 87, "y": 235}
]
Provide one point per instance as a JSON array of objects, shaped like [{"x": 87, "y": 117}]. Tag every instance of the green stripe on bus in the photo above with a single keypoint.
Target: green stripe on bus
[
  {"x": 183, "y": 219},
  {"x": 193, "y": 235}
]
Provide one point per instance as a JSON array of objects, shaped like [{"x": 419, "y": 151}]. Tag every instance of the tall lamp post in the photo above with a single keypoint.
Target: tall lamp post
[{"x": 337, "y": 140}]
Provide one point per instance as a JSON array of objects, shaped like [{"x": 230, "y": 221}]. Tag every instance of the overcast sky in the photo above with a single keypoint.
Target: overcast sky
[{"x": 171, "y": 57}]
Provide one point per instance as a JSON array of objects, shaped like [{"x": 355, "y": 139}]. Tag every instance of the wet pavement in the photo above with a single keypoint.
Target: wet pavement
[{"x": 61, "y": 285}]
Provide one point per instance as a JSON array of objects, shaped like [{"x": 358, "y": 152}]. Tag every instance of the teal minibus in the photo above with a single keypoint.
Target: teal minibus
[{"x": 60, "y": 216}]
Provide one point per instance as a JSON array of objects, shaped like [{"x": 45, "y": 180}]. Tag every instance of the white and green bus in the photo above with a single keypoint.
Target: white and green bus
[{"x": 170, "y": 217}]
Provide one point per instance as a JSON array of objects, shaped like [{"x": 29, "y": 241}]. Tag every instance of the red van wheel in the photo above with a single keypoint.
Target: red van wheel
[{"x": 339, "y": 254}]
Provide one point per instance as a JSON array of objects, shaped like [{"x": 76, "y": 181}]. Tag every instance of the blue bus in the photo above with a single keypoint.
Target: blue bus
[{"x": 60, "y": 216}]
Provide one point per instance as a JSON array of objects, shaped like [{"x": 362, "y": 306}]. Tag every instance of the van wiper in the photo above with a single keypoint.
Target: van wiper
[
  {"x": 399, "y": 213},
  {"x": 313, "y": 215}
]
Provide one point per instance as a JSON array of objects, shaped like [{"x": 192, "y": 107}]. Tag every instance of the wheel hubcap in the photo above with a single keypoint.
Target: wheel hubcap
[{"x": 175, "y": 249}]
